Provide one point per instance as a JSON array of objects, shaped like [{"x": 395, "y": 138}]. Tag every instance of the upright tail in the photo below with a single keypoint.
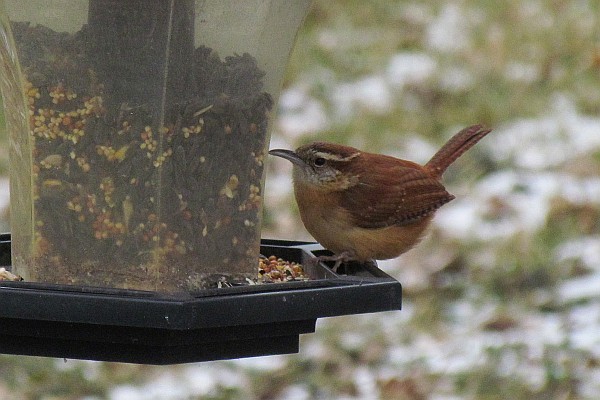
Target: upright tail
[{"x": 454, "y": 148}]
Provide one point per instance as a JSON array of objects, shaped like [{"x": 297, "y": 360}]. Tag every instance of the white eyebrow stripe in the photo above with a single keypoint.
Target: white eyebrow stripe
[{"x": 335, "y": 157}]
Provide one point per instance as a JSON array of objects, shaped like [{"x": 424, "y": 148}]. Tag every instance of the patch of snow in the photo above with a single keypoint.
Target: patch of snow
[
  {"x": 270, "y": 363},
  {"x": 583, "y": 323},
  {"x": 579, "y": 288},
  {"x": 353, "y": 340},
  {"x": 526, "y": 197},
  {"x": 161, "y": 387},
  {"x": 449, "y": 32},
  {"x": 279, "y": 186},
  {"x": 295, "y": 392},
  {"x": 371, "y": 93},
  {"x": 522, "y": 72},
  {"x": 585, "y": 249},
  {"x": 299, "y": 113},
  {"x": 191, "y": 381},
  {"x": 546, "y": 141},
  {"x": 414, "y": 148},
  {"x": 456, "y": 79},
  {"x": 409, "y": 67},
  {"x": 202, "y": 380},
  {"x": 366, "y": 382}
]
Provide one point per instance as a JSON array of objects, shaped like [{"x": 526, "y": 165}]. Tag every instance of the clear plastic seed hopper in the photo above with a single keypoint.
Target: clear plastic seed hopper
[{"x": 138, "y": 133}]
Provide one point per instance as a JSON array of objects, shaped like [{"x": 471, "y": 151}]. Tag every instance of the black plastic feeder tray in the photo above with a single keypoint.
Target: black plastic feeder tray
[{"x": 153, "y": 328}]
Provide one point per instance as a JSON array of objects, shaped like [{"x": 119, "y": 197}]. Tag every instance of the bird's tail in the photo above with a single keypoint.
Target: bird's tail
[{"x": 454, "y": 148}]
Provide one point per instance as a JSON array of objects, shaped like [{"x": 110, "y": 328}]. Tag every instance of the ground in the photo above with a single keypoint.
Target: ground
[{"x": 502, "y": 299}]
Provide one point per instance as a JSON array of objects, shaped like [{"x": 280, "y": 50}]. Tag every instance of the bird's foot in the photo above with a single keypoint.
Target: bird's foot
[{"x": 340, "y": 258}]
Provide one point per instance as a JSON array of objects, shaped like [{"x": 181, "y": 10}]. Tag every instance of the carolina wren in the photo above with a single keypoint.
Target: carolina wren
[{"x": 365, "y": 206}]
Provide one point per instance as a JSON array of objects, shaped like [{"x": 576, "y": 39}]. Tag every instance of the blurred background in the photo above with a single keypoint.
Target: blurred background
[{"x": 502, "y": 300}]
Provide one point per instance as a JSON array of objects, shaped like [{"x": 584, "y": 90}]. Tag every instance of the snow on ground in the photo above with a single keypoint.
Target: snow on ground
[
  {"x": 562, "y": 135},
  {"x": 525, "y": 198},
  {"x": 499, "y": 206}
]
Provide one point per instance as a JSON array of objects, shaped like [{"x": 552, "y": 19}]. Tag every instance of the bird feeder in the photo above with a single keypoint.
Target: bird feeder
[{"x": 138, "y": 131}]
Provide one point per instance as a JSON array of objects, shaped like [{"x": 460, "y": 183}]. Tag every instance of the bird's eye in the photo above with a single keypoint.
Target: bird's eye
[{"x": 319, "y": 162}]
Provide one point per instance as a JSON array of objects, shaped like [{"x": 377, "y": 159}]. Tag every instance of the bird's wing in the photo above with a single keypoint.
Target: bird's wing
[{"x": 397, "y": 195}]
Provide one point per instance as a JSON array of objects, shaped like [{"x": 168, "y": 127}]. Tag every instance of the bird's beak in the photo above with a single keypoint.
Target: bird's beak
[{"x": 288, "y": 155}]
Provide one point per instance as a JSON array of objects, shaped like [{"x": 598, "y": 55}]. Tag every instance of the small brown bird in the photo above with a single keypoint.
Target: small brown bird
[{"x": 365, "y": 206}]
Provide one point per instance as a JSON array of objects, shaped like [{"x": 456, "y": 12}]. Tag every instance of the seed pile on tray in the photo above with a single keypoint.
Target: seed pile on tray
[
  {"x": 124, "y": 198},
  {"x": 272, "y": 269}
]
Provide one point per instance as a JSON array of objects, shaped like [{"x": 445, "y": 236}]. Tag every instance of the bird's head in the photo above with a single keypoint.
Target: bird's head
[{"x": 327, "y": 166}]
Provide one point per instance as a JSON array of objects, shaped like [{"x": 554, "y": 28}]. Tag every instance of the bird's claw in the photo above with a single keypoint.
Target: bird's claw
[{"x": 340, "y": 258}]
